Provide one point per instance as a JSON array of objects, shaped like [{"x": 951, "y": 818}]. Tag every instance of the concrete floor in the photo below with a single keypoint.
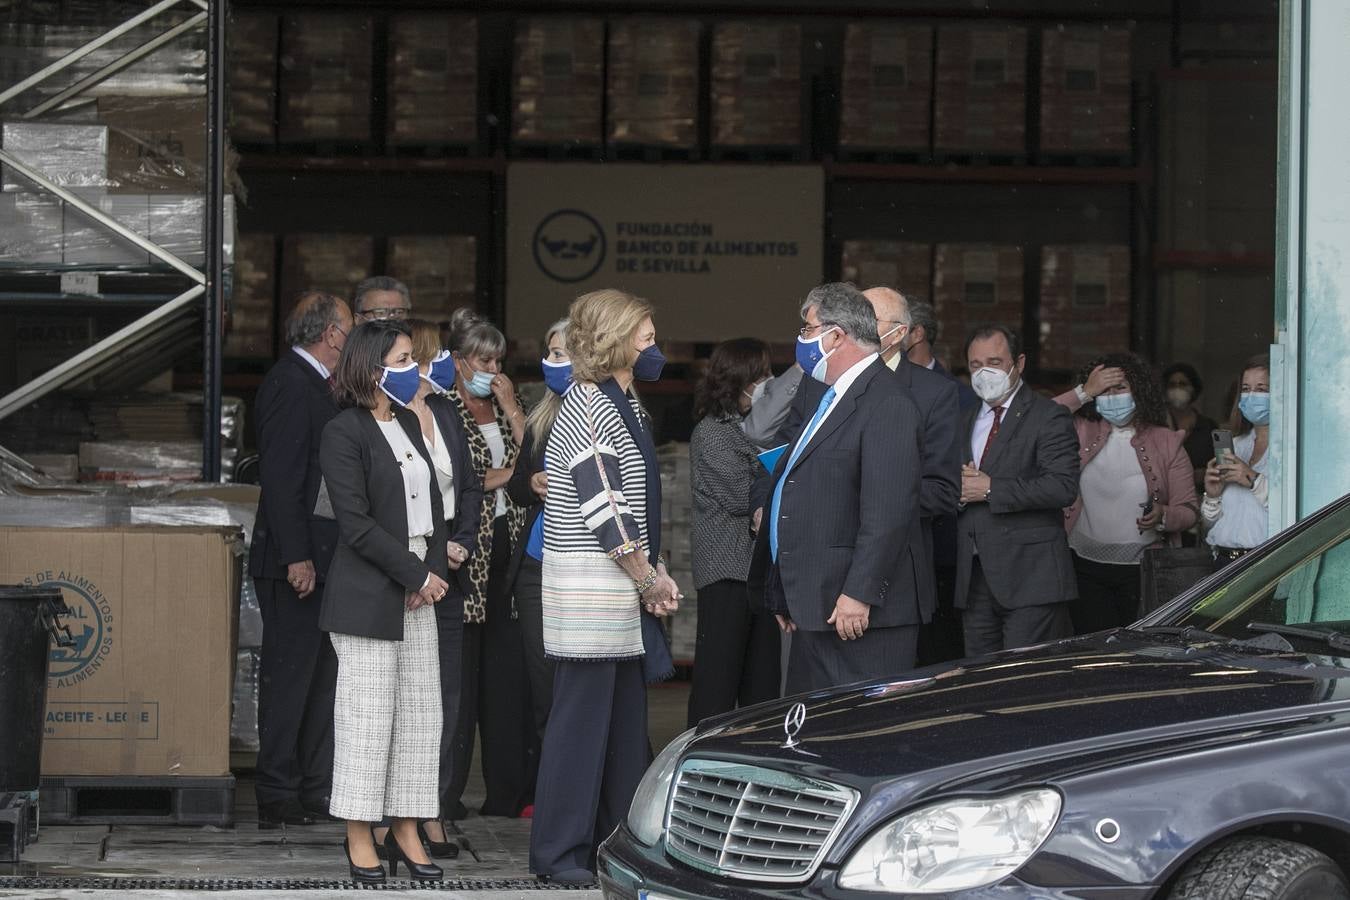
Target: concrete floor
[{"x": 493, "y": 850}]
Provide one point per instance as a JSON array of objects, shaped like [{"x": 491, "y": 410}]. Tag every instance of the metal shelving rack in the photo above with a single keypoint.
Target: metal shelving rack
[{"x": 169, "y": 320}]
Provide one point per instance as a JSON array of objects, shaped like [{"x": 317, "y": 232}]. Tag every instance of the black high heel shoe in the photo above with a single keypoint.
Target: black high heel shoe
[
  {"x": 438, "y": 849},
  {"x": 418, "y": 871},
  {"x": 380, "y": 852},
  {"x": 362, "y": 874}
]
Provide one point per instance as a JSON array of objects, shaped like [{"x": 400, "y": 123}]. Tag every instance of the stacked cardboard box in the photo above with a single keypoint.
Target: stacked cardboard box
[
  {"x": 252, "y": 297},
  {"x": 69, "y": 155},
  {"x": 653, "y": 82},
  {"x": 325, "y": 78},
  {"x": 31, "y": 229},
  {"x": 981, "y": 95},
  {"x": 887, "y": 86},
  {"x": 433, "y": 79},
  {"x": 756, "y": 84},
  {"x": 558, "y": 81},
  {"x": 904, "y": 265},
  {"x": 440, "y": 271},
  {"x": 677, "y": 509},
  {"x": 253, "y": 76},
  {"x": 155, "y": 145},
  {"x": 973, "y": 285},
  {"x": 322, "y": 262},
  {"x": 1085, "y": 303},
  {"x": 1085, "y": 89}
]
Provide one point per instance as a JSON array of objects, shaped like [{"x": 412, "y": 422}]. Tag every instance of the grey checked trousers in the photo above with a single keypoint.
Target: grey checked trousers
[{"x": 387, "y": 721}]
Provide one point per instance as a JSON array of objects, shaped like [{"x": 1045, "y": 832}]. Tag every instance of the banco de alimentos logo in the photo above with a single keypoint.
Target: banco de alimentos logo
[
  {"x": 91, "y": 626},
  {"x": 569, "y": 245}
]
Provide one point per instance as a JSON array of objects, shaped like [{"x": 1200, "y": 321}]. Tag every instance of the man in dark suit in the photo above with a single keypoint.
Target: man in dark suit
[
  {"x": 838, "y": 555},
  {"x": 918, "y": 347},
  {"x": 292, "y": 548},
  {"x": 1014, "y": 577},
  {"x": 936, "y": 397}
]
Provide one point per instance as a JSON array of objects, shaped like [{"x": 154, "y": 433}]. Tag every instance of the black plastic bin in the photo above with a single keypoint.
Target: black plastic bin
[{"x": 30, "y": 619}]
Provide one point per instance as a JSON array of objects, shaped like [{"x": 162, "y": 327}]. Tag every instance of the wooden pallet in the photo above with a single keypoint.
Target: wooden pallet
[
  {"x": 132, "y": 800},
  {"x": 652, "y": 153},
  {"x": 722, "y": 153},
  {"x": 558, "y": 152}
]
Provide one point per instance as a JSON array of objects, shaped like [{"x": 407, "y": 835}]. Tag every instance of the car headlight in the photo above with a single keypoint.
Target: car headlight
[
  {"x": 647, "y": 814},
  {"x": 954, "y": 845}
]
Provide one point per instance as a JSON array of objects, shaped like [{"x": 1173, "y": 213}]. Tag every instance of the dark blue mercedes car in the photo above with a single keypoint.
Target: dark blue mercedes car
[{"x": 1202, "y": 753}]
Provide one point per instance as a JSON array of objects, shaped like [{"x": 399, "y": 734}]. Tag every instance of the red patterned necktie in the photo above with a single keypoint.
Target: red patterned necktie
[{"x": 993, "y": 433}]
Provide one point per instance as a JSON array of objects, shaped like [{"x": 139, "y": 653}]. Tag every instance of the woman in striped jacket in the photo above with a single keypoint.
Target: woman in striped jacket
[{"x": 602, "y": 523}]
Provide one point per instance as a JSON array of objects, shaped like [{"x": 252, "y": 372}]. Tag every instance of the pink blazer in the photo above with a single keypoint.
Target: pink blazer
[{"x": 1165, "y": 465}]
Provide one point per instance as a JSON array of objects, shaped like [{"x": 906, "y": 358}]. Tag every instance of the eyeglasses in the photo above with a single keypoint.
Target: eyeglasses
[
  {"x": 386, "y": 312},
  {"x": 339, "y": 330},
  {"x": 806, "y": 330}
]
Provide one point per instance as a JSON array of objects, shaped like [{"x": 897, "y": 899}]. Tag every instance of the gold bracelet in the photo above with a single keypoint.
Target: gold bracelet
[{"x": 648, "y": 581}]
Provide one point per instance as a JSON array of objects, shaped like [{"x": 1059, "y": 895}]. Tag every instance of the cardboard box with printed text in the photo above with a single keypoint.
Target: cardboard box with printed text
[{"x": 147, "y": 687}]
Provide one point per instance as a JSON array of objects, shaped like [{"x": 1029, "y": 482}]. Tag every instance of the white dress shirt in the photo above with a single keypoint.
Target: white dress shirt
[
  {"x": 309, "y": 358},
  {"x": 841, "y": 386},
  {"x": 445, "y": 470},
  {"x": 416, "y": 479},
  {"x": 984, "y": 423}
]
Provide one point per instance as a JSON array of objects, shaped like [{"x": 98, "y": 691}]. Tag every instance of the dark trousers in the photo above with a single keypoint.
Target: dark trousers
[
  {"x": 494, "y": 696},
  {"x": 529, "y": 595},
  {"x": 595, "y": 752},
  {"x": 450, "y": 635},
  {"x": 296, "y": 684},
  {"x": 736, "y": 652},
  {"x": 990, "y": 626},
  {"x": 821, "y": 659},
  {"x": 942, "y": 640},
  {"x": 1108, "y": 595}
]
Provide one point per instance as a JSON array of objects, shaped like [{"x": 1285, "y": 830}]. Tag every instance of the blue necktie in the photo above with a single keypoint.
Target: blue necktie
[{"x": 792, "y": 461}]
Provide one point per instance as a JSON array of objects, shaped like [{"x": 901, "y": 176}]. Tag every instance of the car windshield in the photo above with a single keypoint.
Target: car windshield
[{"x": 1303, "y": 579}]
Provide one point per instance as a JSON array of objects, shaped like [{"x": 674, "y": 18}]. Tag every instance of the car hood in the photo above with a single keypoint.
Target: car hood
[{"x": 1048, "y": 707}]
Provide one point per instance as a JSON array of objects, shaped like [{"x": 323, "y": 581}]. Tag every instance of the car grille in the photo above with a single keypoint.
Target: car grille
[{"x": 750, "y": 822}]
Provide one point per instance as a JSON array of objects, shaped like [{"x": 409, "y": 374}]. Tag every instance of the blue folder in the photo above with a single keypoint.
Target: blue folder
[{"x": 769, "y": 458}]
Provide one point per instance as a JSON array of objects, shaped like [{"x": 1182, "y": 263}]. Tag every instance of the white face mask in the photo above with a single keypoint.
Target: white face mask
[
  {"x": 891, "y": 332},
  {"x": 991, "y": 384},
  {"x": 756, "y": 392},
  {"x": 1179, "y": 397}
]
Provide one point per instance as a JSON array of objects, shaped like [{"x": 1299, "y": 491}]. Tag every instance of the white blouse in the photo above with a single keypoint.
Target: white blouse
[
  {"x": 445, "y": 469},
  {"x": 1114, "y": 492},
  {"x": 492, "y": 433},
  {"x": 416, "y": 479}
]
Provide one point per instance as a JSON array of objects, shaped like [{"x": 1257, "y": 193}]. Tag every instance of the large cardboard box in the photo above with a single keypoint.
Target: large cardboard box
[
  {"x": 558, "y": 80},
  {"x": 906, "y": 266},
  {"x": 974, "y": 285},
  {"x": 652, "y": 82},
  {"x": 433, "y": 79},
  {"x": 326, "y": 82},
  {"x": 1085, "y": 303},
  {"x": 757, "y": 84},
  {"x": 887, "y": 86},
  {"x": 1085, "y": 89},
  {"x": 440, "y": 271},
  {"x": 981, "y": 89},
  {"x": 147, "y": 688},
  {"x": 155, "y": 144}
]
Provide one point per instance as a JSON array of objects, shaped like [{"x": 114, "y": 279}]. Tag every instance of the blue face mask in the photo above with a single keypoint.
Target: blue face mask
[
  {"x": 1118, "y": 409},
  {"x": 480, "y": 385},
  {"x": 401, "y": 384},
  {"x": 558, "y": 376},
  {"x": 649, "y": 364},
  {"x": 1255, "y": 408},
  {"x": 812, "y": 357},
  {"x": 442, "y": 372}
]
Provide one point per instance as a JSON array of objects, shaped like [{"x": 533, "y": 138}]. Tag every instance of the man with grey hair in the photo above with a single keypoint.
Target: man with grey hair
[
  {"x": 839, "y": 542},
  {"x": 940, "y": 489},
  {"x": 381, "y": 297},
  {"x": 292, "y": 547}
]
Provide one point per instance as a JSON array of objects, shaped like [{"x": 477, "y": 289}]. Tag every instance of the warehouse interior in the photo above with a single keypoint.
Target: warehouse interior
[{"x": 1101, "y": 175}]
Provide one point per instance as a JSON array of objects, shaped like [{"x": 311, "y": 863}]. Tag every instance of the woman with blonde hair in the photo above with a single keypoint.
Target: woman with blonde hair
[
  {"x": 528, "y": 487},
  {"x": 601, "y": 568}
]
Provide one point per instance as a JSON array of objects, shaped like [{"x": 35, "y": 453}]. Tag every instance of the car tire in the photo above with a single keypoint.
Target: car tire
[{"x": 1261, "y": 868}]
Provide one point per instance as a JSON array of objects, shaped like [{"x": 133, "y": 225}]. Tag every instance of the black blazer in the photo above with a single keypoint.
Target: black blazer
[
  {"x": 373, "y": 569},
  {"x": 293, "y": 406},
  {"x": 849, "y": 518},
  {"x": 528, "y": 463},
  {"x": 940, "y": 451},
  {"x": 463, "y": 529},
  {"x": 1019, "y": 532}
]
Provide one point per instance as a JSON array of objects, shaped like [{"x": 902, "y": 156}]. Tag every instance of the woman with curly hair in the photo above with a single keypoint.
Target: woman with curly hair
[
  {"x": 1136, "y": 489},
  {"x": 737, "y": 644}
]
